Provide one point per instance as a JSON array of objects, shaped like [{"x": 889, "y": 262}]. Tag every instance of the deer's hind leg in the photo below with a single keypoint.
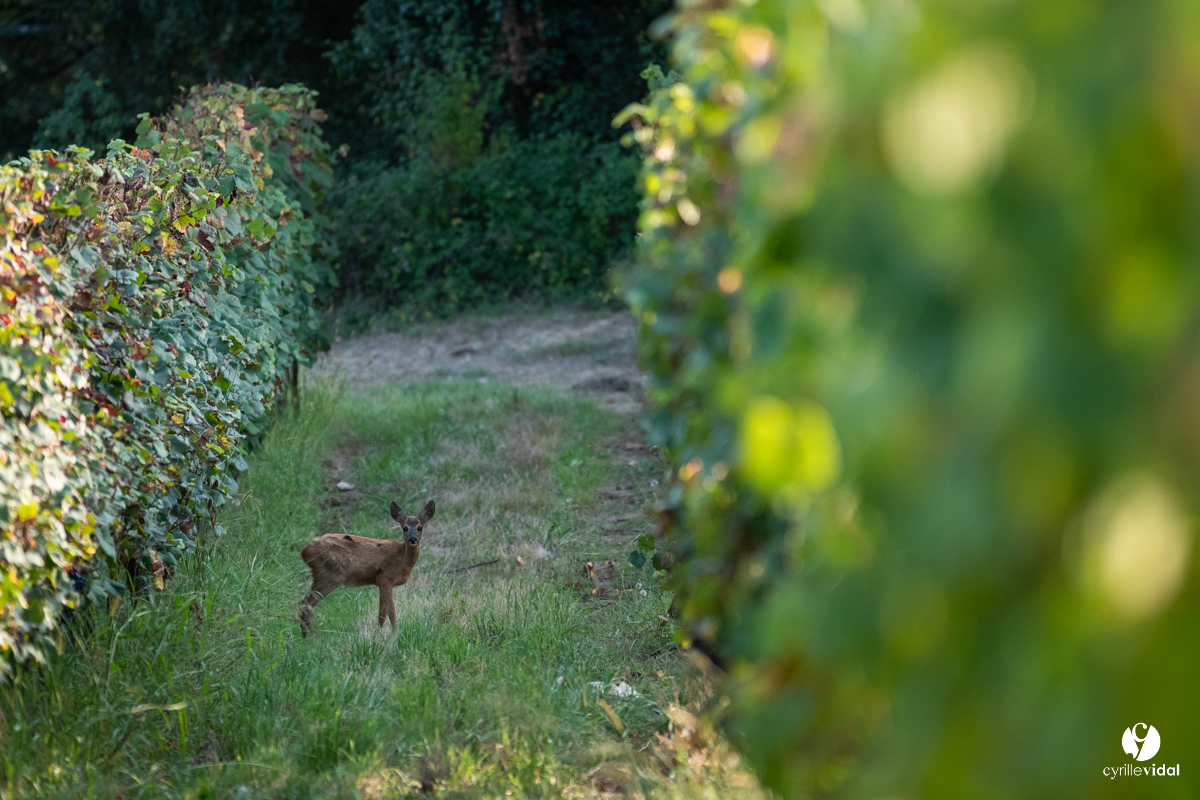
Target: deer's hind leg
[{"x": 318, "y": 593}]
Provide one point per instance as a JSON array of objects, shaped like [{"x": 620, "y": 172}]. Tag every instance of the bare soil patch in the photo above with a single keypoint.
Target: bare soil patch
[{"x": 583, "y": 351}]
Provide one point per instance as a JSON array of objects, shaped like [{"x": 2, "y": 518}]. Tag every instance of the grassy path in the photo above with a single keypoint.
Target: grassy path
[{"x": 484, "y": 690}]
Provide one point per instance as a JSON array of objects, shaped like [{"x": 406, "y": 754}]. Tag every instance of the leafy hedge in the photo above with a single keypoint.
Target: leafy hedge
[
  {"x": 151, "y": 303},
  {"x": 920, "y": 307}
]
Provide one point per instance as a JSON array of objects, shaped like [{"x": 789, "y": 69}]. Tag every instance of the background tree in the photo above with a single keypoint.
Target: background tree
[
  {"x": 52, "y": 52},
  {"x": 482, "y": 163}
]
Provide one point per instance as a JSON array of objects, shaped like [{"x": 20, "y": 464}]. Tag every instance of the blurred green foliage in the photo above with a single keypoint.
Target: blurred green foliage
[
  {"x": 919, "y": 302},
  {"x": 490, "y": 168},
  {"x": 151, "y": 303}
]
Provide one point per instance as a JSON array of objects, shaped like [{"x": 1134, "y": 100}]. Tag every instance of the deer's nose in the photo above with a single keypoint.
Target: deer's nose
[{"x": 412, "y": 540}]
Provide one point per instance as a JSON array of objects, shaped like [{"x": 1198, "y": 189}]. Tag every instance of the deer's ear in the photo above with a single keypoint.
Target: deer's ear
[
  {"x": 426, "y": 513},
  {"x": 398, "y": 513}
]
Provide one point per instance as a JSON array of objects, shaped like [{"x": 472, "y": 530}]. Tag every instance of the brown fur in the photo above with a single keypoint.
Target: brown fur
[{"x": 339, "y": 559}]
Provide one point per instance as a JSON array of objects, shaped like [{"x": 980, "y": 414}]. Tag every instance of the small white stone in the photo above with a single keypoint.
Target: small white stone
[
  {"x": 345, "y": 486},
  {"x": 619, "y": 689}
]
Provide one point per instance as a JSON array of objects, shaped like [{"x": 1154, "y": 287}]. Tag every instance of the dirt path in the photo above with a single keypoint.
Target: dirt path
[{"x": 573, "y": 350}]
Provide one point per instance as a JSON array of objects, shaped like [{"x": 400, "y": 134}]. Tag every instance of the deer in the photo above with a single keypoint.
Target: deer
[{"x": 339, "y": 559}]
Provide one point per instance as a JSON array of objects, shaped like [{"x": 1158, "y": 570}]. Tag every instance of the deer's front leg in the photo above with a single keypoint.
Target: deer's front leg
[
  {"x": 387, "y": 609},
  {"x": 383, "y": 602}
]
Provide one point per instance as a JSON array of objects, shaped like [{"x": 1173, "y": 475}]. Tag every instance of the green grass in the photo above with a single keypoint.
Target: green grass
[{"x": 207, "y": 689}]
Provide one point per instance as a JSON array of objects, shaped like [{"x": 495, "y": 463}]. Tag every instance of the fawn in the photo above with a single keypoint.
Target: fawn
[{"x": 338, "y": 559}]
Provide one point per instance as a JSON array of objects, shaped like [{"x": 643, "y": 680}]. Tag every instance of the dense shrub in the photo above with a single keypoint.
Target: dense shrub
[
  {"x": 490, "y": 168},
  {"x": 541, "y": 216},
  {"x": 919, "y": 304},
  {"x": 150, "y": 304}
]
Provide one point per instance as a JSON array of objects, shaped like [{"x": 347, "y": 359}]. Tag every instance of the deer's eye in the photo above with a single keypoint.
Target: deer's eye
[
  {"x": 419, "y": 529},
  {"x": 406, "y": 529}
]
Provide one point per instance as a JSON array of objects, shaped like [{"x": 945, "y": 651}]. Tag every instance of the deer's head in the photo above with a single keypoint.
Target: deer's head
[{"x": 412, "y": 526}]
